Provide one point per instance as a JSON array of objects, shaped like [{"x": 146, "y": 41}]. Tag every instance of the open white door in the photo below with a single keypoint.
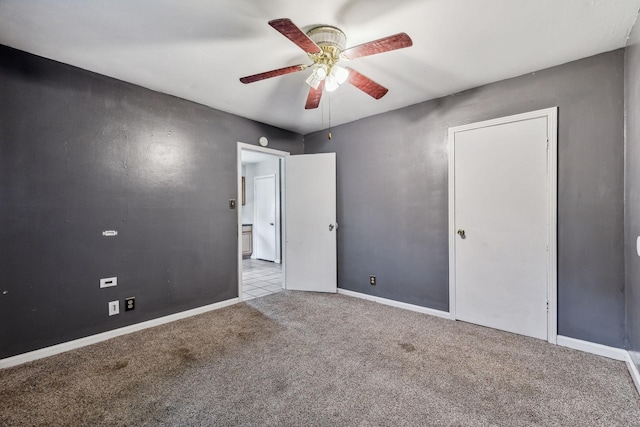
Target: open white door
[{"x": 310, "y": 232}]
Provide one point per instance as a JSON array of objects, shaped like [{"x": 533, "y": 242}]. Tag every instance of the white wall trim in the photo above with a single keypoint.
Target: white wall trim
[
  {"x": 93, "y": 339},
  {"x": 605, "y": 351},
  {"x": 398, "y": 304},
  {"x": 593, "y": 348},
  {"x": 633, "y": 370},
  {"x": 452, "y": 222},
  {"x": 552, "y": 254},
  {"x": 576, "y": 344},
  {"x": 552, "y": 175}
]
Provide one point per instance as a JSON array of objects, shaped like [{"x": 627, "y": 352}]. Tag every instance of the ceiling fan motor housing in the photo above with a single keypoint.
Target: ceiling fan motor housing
[{"x": 331, "y": 40}]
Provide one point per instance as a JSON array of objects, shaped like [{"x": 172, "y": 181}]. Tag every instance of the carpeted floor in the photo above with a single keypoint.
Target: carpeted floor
[{"x": 305, "y": 359}]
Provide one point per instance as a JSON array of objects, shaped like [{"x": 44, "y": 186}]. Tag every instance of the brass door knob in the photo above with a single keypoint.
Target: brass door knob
[{"x": 461, "y": 233}]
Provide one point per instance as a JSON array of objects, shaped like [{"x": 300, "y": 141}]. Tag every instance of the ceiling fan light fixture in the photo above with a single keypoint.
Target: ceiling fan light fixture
[
  {"x": 341, "y": 74},
  {"x": 318, "y": 75},
  {"x": 331, "y": 83}
]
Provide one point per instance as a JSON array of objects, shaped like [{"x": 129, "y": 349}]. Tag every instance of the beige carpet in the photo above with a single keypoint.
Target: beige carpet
[{"x": 304, "y": 359}]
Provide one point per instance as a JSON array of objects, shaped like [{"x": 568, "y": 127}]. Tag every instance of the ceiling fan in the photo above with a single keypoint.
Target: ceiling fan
[{"x": 325, "y": 46}]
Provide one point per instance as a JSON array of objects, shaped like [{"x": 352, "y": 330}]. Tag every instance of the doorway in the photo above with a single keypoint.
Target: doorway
[
  {"x": 260, "y": 269},
  {"x": 306, "y": 226},
  {"x": 502, "y": 223}
]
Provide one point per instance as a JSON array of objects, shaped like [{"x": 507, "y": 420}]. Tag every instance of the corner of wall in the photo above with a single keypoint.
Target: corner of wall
[
  {"x": 631, "y": 190},
  {"x": 633, "y": 35}
]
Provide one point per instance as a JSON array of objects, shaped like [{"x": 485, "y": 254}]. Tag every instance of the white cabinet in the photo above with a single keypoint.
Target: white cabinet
[{"x": 247, "y": 240}]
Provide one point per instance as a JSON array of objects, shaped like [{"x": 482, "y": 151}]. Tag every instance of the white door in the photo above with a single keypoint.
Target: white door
[
  {"x": 310, "y": 213},
  {"x": 501, "y": 221},
  {"x": 264, "y": 197}
]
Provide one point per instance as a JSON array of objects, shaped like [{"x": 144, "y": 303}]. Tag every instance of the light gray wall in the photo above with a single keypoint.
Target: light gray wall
[
  {"x": 81, "y": 153},
  {"x": 392, "y": 191},
  {"x": 632, "y": 217}
]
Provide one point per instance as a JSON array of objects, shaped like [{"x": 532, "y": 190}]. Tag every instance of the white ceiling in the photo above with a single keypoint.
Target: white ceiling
[{"x": 198, "y": 49}]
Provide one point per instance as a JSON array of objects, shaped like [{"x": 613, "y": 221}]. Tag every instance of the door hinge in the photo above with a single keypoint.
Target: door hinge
[{"x": 547, "y": 305}]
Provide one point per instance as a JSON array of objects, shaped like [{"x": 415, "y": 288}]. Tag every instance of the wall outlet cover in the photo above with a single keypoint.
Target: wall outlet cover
[{"x": 129, "y": 303}]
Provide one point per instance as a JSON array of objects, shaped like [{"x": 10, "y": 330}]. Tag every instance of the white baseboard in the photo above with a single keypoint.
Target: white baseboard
[
  {"x": 590, "y": 347},
  {"x": 633, "y": 370},
  {"x": 404, "y": 305},
  {"x": 576, "y": 344},
  {"x": 82, "y": 342}
]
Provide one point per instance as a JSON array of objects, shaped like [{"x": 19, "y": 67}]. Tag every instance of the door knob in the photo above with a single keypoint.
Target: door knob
[
  {"x": 461, "y": 233},
  {"x": 330, "y": 227}
]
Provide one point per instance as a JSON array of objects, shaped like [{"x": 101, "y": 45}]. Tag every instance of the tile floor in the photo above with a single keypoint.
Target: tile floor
[{"x": 260, "y": 278}]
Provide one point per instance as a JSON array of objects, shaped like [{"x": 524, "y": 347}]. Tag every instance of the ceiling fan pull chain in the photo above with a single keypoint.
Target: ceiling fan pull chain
[
  {"x": 329, "y": 115},
  {"x": 322, "y": 110}
]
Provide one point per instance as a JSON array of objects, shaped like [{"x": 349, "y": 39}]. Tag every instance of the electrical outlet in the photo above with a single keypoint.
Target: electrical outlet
[
  {"x": 114, "y": 308},
  {"x": 129, "y": 303},
  {"x": 372, "y": 280}
]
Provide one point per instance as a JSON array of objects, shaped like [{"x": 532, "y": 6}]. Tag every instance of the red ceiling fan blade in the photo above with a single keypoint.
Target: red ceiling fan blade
[
  {"x": 366, "y": 85},
  {"x": 313, "y": 99},
  {"x": 288, "y": 29},
  {"x": 272, "y": 73},
  {"x": 398, "y": 41}
]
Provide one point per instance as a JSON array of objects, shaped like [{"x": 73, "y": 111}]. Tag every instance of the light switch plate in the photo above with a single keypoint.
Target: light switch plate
[{"x": 114, "y": 308}]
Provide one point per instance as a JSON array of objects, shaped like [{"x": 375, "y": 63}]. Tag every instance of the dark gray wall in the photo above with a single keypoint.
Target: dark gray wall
[
  {"x": 632, "y": 217},
  {"x": 80, "y": 154},
  {"x": 392, "y": 192}
]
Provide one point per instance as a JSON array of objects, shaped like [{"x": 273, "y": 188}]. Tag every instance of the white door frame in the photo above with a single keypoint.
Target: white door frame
[
  {"x": 551, "y": 114},
  {"x": 281, "y": 154}
]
